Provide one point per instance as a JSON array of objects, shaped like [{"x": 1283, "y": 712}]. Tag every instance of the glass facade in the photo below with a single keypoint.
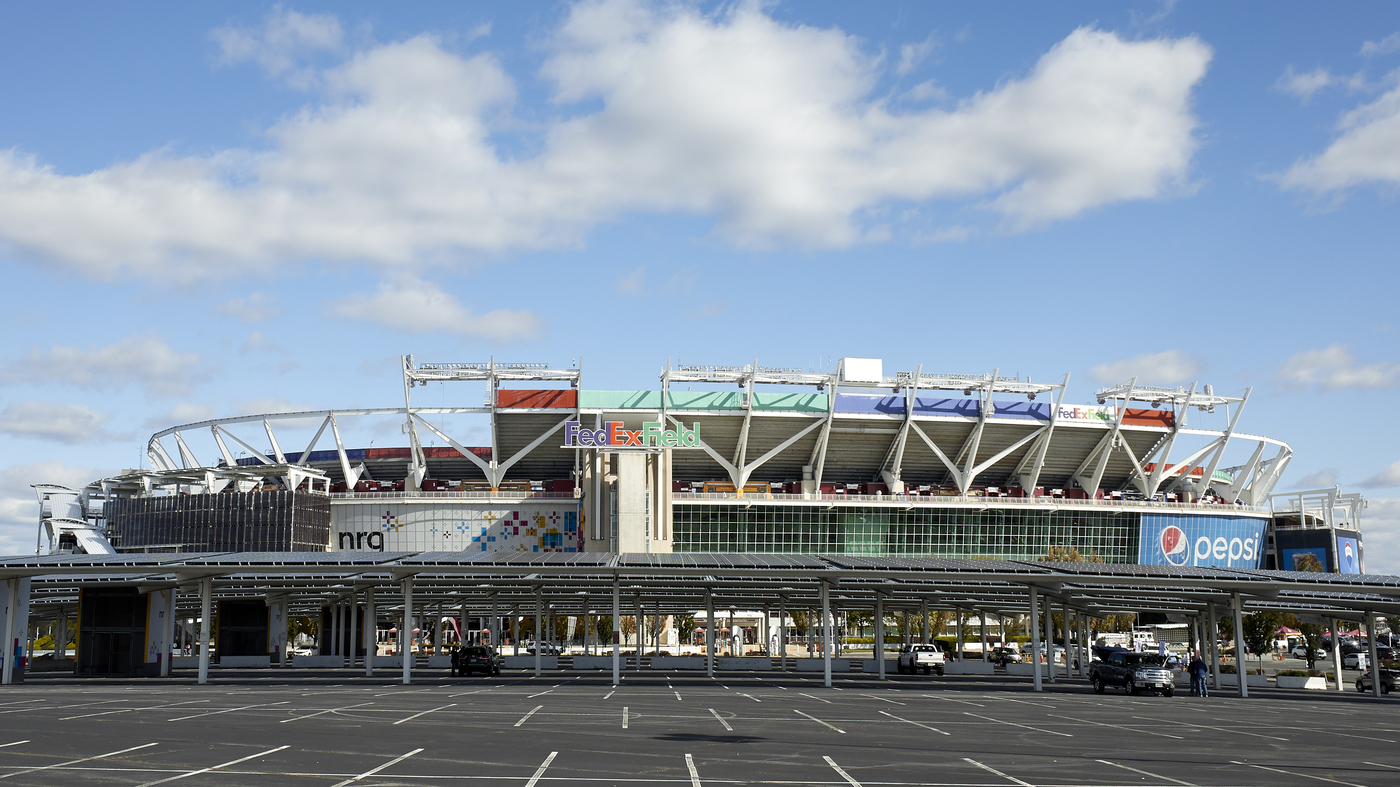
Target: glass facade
[
  {"x": 1011, "y": 534},
  {"x": 275, "y": 520}
]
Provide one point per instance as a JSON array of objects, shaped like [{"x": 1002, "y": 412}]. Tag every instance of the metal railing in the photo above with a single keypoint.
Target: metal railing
[
  {"x": 965, "y": 500},
  {"x": 501, "y": 495}
]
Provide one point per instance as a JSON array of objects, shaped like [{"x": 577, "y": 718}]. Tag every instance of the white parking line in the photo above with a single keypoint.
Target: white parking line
[
  {"x": 690, "y": 766},
  {"x": 19, "y": 702},
  {"x": 1295, "y": 773},
  {"x": 323, "y": 712},
  {"x": 1116, "y": 726},
  {"x": 74, "y": 762},
  {"x": 1222, "y": 729},
  {"x": 540, "y": 772},
  {"x": 819, "y": 721},
  {"x": 750, "y": 696},
  {"x": 229, "y": 710},
  {"x": 678, "y": 696},
  {"x": 1022, "y": 726},
  {"x": 624, "y": 717},
  {"x": 425, "y": 713},
  {"x": 805, "y": 694},
  {"x": 526, "y": 717},
  {"x": 720, "y": 720},
  {"x": 212, "y": 767},
  {"x": 609, "y": 694},
  {"x": 377, "y": 769},
  {"x": 915, "y": 723},
  {"x": 838, "y": 769},
  {"x": 13, "y": 743},
  {"x": 999, "y": 773},
  {"x": 1377, "y": 764},
  {"x": 129, "y": 710},
  {"x": 1146, "y": 773},
  {"x": 950, "y": 699},
  {"x": 883, "y": 699},
  {"x": 532, "y": 696}
]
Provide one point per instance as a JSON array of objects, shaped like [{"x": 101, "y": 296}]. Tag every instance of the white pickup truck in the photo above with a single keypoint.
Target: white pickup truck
[{"x": 928, "y": 658}]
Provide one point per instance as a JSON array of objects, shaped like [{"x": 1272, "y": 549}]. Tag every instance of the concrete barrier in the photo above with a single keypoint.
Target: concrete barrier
[
  {"x": 873, "y": 667},
  {"x": 244, "y": 662},
  {"x": 1025, "y": 669},
  {"x": 388, "y": 662},
  {"x": 743, "y": 663},
  {"x": 1300, "y": 682},
  {"x": 317, "y": 662},
  {"x": 440, "y": 661},
  {"x": 601, "y": 662},
  {"x": 815, "y": 665},
  {"x": 184, "y": 662},
  {"x": 528, "y": 662},
  {"x": 674, "y": 662},
  {"x": 969, "y": 668}
]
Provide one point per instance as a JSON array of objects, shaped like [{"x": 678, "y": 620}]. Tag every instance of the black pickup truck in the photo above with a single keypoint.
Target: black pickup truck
[{"x": 1136, "y": 672}]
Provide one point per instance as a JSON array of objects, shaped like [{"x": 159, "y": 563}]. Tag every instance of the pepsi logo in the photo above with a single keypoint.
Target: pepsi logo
[{"x": 1173, "y": 542}]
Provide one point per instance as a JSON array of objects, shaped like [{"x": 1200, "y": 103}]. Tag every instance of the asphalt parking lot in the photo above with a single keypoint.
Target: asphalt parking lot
[{"x": 679, "y": 729}]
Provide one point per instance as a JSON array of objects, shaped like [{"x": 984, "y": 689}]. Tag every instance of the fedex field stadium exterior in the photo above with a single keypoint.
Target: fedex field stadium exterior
[{"x": 850, "y": 462}]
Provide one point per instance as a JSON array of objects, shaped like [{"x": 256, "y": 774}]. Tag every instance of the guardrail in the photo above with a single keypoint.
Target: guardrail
[
  {"x": 503, "y": 495},
  {"x": 965, "y": 500}
]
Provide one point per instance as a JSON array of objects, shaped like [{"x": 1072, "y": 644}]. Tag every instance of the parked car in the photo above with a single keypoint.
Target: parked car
[
  {"x": 1003, "y": 656},
  {"x": 1135, "y": 672},
  {"x": 546, "y": 649},
  {"x": 1354, "y": 660},
  {"x": 476, "y": 658},
  {"x": 1301, "y": 652},
  {"x": 1388, "y": 677},
  {"x": 928, "y": 658}
]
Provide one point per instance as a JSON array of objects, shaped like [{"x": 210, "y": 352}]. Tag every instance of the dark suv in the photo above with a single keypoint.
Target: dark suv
[
  {"x": 476, "y": 658},
  {"x": 1135, "y": 672}
]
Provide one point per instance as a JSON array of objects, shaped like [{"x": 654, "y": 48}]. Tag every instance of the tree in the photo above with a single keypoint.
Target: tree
[
  {"x": 801, "y": 621},
  {"x": 629, "y": 627},
  {"x": 603, "y": 625},
  {"x": 1258, "y": 629},
  {"x": 685, "y": 626}
]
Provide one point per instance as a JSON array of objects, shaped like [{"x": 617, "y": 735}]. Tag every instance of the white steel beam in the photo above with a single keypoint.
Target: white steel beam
[
  {"x": 306, "y": 455},
  {"x": 748, "y": 469},
  {"x": 187, "y": 458},
  {"x": 272, "y": 440},
  {"x": 1209, "y": 473},
  {"x": 255, "y": 453},
  {"x": 942, "y": 457}
]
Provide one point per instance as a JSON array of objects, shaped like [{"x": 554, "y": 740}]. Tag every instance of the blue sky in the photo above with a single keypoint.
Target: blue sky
[{"x": 214, "y": 209}]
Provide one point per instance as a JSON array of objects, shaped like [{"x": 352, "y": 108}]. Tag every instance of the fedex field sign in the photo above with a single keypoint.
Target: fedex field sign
[
  {"x": 616, "y": 435},
  {"x": 1206, "y": 541}
]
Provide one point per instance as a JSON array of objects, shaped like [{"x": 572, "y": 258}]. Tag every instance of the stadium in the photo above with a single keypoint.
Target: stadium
[{"x": 762, "y": 460}]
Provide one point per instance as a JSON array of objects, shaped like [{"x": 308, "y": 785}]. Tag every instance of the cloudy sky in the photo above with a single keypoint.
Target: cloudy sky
[{"x": 214, "y": 209}]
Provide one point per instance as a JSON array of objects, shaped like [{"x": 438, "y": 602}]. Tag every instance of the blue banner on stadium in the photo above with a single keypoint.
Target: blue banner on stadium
[{"x": 1197, "y": 540}]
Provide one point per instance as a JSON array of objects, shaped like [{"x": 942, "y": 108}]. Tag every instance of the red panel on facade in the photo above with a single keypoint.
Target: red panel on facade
[
  {"x": 565, "y": 399},
  {"x": 1149, "y": 418}
]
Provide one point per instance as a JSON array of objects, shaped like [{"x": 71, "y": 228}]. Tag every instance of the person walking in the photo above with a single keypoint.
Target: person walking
[{"x": 1198, "y": 671}]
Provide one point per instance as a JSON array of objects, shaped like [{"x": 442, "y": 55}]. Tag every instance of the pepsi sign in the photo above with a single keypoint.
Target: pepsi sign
[{"x": 1199, "y": 540}]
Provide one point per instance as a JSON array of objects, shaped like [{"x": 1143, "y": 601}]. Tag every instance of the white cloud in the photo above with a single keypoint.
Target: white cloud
[
  {"x": 1163, "y": 368},
  {"x": 632, "y": 283},
  {"x": 141, "y": 360},
  {"x": 19, "y": 507},
  {"x": 1305, "y": 84},
  {"x": 928, "y": 90},
  {"x": 253, "y": 307},
  {"x": 1335, "y": 367},
  {"x": 415, "y": 306},
  {"x": 774, "y": 130},
  {"x": 1388, "y": 477},
  {"x": 1380, "y": 527},
  {"x": 271, "y": 404},
  {"x": 911, "y": 55},
  {"x": 54, "y": 421},
  {"x": 1366, "y": 151},
  {"x": 181, "y": 413},
  {"x": 1324, "y": 478},
  {"x": 1385, "y": 46},
  {"x": 280, "y": 44}
]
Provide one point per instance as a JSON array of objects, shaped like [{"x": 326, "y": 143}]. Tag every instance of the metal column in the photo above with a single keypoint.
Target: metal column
[
  {"x": 923, "y": 621},
  {"x": 1215, "y": 647},
  {"x": 11, "y": 614},
  {"x": 709, "y": 633},
  {"x": 982, "y": 618},
  {"x": 1064, "y": 613},
  {"x": 826, "y": 632},
  {"x": 371, "y": 632},
  {"x": 880, "y": 634},
  {"x": 782, "y": 634},
  {"x": 1050, "y": 639},
  {"x": 1337, "y": 655},
  {"x": 1241, "y": 668},
  {"x": 405, "y": 636},
  {"x": 1035, "y": 640},
  {"x": 354, "y": 625},
  {"x": 1373, "y": 663},
  {"x": 206, "y": 601},
  {"x": 641, "y": 630},
  {"x": 616, "y": 632},
  {"x": 539, "y": 602},
  {"x": 959, "y": 655},
  {"x": 167, "y": 636}
]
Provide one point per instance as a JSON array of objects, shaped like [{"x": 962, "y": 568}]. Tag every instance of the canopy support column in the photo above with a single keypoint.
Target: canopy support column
[
  {"x": 1064, "y": 613},
  {"x": 616, "y": 633},
  {"x": 539, "y": 640},
  {"x": 1373, "y": 662},
  {"x": 371, "y": 632},
  {"x": 1050, "y": 640},
  {"x": 206, "y": 601},
  {"x": 1241, "y": 667},
  {"x": 354, "y": 625},
  {"x": 1337, "y": 656},
  {"x": 782, "y": 634},
  {"x": 709, "y": 633},
  {"x": 11, "y": 646},
  {"x": 167, "y": 636},
  {"x": 1035, "y": 639},
  {"x": 982, "y": 619},
  {"x": 1215, "y": 647},
  {"x": 880, "y": 634},
  {"x": 826, "y": 633},
  {"x": 405, "y": 631}
]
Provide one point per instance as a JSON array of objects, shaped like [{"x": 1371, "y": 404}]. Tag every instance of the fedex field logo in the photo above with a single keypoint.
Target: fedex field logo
[
  {"x": 1178, "y": 550},
  {"x": 615, "y": 434}
]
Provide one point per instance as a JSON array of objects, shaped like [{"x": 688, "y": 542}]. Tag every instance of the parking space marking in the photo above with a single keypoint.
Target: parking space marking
[
  {"x": 624, "y": 717},
  {"x": 1014, "y": 724},
  {"x": 609, "y": 694},
  {"x": 540, "y": 771},
  {"x": 378, "y": 768},
  {"x": 690, "y": 766},
  {"x": 1222, "y": 729},
  {"x": 678, "y": 696},
  {"x": 999, "y": 773},
  {"x": 541, "y": 694},
  {"x": 323, "y": 712},
  {"x": 1116, "y": 726},
  {"x": 950, "y": 699},
  {"x": 841, "y": 772},
  {"x": 19, "y": 702},
  {"x": 1349, "y": 735},
  {"x": 229, "y": 710},
  {"x": 750, "y": 696},
  {"x": 74, "y": 762},
  {"x": 810, "y": 697},
  {"x": 527, "y": 716},
  {"x": 915, "y": 723},
  {"x": 720, "y": 720},
  {"x": 819, "y": 721},
  {"x": 1146, "y": 773},
  {"x": 883, "y": 699},
  {"x": 211, "y": 767},
  {"x": 129, "y": 710},
  {"x": 425, "y": 713},
  {"x": 12, "y": 743},
  {"x": 1295, "y": 773},
  {"x": 1377, "y": 764}
]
